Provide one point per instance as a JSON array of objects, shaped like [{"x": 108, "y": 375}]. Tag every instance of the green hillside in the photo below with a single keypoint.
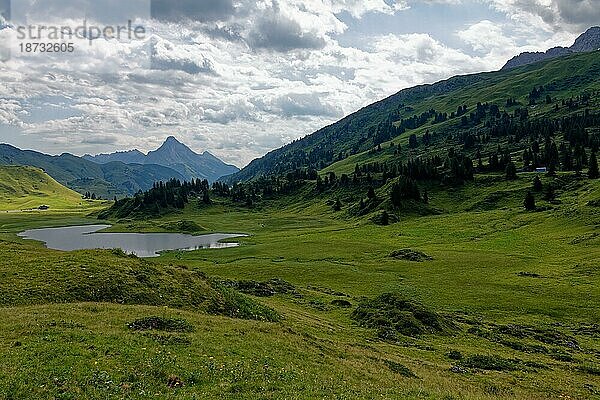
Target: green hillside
[
  {"x": 24, "y": 188},
  {"x": 357, "y": 133}
]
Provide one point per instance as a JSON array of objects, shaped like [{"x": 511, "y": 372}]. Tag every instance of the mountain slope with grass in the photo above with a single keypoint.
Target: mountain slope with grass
[
  {"x": 418, "y": 109},
  {"x": 29, "y": 188}
]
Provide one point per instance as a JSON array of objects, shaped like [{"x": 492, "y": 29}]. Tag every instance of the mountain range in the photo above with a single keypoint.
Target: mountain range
[
  {"x": 175, "y": 155},
  {"x": 105, "y": 180},
  {"x": 587, "y": 42},
  {"x": 121, "y": 174}
]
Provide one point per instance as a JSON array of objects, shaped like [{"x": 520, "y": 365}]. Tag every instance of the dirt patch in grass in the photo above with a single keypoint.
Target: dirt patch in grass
[
  {"x": 392, "y": 314},
  {"x": 410, "y": 255}
]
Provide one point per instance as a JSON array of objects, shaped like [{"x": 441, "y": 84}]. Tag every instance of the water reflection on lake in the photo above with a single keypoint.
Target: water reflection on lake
[{"x": 141, "y": 244}]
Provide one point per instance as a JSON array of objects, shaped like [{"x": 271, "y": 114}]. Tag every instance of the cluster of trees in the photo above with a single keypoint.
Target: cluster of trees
[
  {"x": 404, "y": 189},
  {"x": 455, "y": 168},
  {"x": 575, "y": 103},
  {"x": 536, "y": 94},
  {"x": 426, "y": 139},
  {"x": 172, "y": 194},
  {"x": 90, "y": 196}
]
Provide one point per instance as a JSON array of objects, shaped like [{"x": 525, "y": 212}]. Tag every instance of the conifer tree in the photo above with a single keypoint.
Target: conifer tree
[
  {"x": 529, "y": 202},
  {"x": 371, "y": 193},
  {"x": 338, "y": 205},
  {"x": 511, "y": 171},
  {"x": 537, "y": 184}
]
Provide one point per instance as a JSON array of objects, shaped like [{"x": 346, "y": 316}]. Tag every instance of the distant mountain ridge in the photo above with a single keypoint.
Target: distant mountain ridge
[
  {"x": 106, "y": 180},
  {"x": 588, "y": 41},
  {"x": 175, "y": 155},
  {"x": 127, "y": 157}
]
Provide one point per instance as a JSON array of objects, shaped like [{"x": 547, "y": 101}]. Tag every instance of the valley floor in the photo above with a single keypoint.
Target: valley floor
[{"x": 522, "y": 290}]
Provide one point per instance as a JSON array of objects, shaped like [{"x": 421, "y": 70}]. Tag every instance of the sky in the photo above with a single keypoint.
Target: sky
[{"x": 240, "y": 78}]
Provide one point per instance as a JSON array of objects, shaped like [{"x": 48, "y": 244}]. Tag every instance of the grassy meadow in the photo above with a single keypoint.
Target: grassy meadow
[{"x": 519, "y": 290}]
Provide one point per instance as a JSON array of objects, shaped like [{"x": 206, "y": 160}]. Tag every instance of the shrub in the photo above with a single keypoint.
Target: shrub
[
  {"x": 262, "y": 289},
  {"x": 391, "y": 313},
  {"x": 590, "y": 369},
  {"x": 529, "y": 202},
  {"x": 490, "y": 363},
  {"x": 455, "y": 355},
  {"x": 511, "y": 171},
  {"x": 410, "y": 255},
  {"x": 400, "y": 369},
  {"x": 236, "y": 305},
  {"x": 161, "y": 324}
]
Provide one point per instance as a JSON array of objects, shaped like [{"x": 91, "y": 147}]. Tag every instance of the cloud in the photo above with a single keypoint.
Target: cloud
[
  {"x": 276, "y": 31},
  {"x": 358, "y": 8},
  {"x": 9, "y": 112},
  {"x": 303, "y": 104},
  {"x": 485, "y": 36},
  {"x": 168, "y": 56},
  {"x": 556, "y": 15},
  {"x": 197, "y": 10},
  {"x": 100, "y": 139},
  {"x": 107, "y": 12}
]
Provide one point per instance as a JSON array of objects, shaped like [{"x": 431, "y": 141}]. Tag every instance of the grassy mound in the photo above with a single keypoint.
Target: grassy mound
[
  {"x": 399, "y": 369},
  {"x": 392, "y": 314},
  {"x": 262, "y": 289},
  {"x": 106, "y": 276},
  {"x": 410, "y": 255},
  {"x": 161, "y": 324},
  {"x": 185, "y": 226}
]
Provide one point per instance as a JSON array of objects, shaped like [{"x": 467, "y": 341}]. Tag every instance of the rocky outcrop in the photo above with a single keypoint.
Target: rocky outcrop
[{"x": 589, "y": 41}]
